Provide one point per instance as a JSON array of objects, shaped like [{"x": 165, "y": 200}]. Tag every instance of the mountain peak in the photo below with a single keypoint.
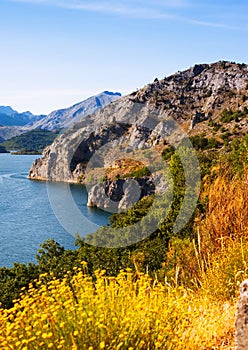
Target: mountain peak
[
  {"x": 7, "y": 110},
  {"x": 10, "y": 117},
  {"x": 63, "y": 118},
  {"x": 111, "y": 93}
]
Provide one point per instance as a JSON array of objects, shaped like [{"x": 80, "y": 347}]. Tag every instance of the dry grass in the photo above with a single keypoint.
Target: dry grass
[
  {"x": 227, "y": 214},
  {"x": 195, "y": 311},
  {"x": 115, "y": 313}
]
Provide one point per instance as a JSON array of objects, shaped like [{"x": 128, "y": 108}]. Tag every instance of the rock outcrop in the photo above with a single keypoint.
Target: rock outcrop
[
  {"x": 120, "y": 194},
  {"x": 241, "y": 322}
]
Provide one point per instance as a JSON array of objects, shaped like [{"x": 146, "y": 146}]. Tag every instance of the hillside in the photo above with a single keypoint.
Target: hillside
[
  {"x": 7, "y": 132},
  {"x": 177, "y": 288},
  {"x": 3, "y": 149},
  {"x": 33, "y": 141},
  {"x": 168, "y": 291},
  {"x": 13, "y": 123},
  {"x": 208, "y": 100}
]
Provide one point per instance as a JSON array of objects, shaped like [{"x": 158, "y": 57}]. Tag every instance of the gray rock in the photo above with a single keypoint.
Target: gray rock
[
  {"x": 119, "y": 195},
  {"x": 146, "y": 118},
  {"x": 241, "y": 322}
]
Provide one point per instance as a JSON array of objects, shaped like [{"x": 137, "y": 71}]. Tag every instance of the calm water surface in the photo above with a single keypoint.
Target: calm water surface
[{"x": 26, "y": 216}]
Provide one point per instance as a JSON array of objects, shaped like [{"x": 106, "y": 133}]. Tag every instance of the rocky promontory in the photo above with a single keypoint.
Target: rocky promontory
[{"x": 187, "y": 103}]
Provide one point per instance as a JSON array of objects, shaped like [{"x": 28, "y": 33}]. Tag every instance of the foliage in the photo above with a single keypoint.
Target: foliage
[
  {"x": 214, "y": 125},
  {"x": 168, "y": 152},
  {"x": 178, "y": 290},
  {"x": 200, "y": 142},
  {"x": 144, "y": 171},
  {"x": 3, "y": 149},
  {"x": 33, "y": 141},
  {"x": 226, "y": 268},
  {"x": 51, "y": 257},
  {"x": 235, "y": 159},
  {"x": 227, "y": 213},
  {"x": 12, "y": 280},
  {"x": 228, "y": 115},
  {"x": 123, "y": 312}
]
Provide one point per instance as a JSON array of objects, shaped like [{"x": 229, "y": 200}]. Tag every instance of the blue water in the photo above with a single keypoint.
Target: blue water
[{"x": 27, "y": 216}]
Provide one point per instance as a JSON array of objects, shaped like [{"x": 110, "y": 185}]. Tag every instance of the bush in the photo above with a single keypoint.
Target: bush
[
  {"x": 200, "y": 142},
  {"x": 142, "y": 172},
  {"x": 228, "y": 115},
  {"x": 124, "y": 312}
]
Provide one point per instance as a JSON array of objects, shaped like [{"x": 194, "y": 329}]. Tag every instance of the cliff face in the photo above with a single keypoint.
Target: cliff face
[{"x": 193, "y": 99}]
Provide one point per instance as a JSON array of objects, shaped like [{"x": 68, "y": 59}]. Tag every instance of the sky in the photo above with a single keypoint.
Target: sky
[{"x": 55, "y": 53}]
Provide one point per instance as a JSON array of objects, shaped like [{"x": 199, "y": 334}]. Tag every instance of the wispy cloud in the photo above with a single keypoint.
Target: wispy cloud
[
  {"x": 211, "y": 24},
  {"x": 144, "y": 9},
  {"x": 111, "y": 4},
  {"x": 118, "y": 9}
]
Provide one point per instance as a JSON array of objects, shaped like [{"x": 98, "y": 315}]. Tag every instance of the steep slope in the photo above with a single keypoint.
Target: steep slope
[
  {"x": 209, "y": 98},
  {"x": 63, "y": 118},
  {"x": 7, "y": 132},
  {"x": 13, "y": 123}
]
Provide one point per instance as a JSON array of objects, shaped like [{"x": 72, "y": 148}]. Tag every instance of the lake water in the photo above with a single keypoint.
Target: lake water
[{"x": 28, "y": 208}]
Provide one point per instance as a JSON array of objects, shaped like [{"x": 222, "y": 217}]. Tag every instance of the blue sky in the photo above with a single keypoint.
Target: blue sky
[{"x": 58, "y": 52}]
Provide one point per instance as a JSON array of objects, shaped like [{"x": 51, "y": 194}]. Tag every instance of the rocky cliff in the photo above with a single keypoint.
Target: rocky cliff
[{"x": 187, "y": 103}]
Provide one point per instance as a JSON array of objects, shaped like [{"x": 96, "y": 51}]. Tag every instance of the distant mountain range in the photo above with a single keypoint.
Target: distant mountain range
[
  {"x": 31, "y": 142},
  {"x": 10, "y": 117},
  {"x": 63, "y": 118},
  {"x": 13, "y": 123}
]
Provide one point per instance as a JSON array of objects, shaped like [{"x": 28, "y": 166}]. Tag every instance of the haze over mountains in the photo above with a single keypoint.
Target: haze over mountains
[{"x": 13, "y": 123}]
